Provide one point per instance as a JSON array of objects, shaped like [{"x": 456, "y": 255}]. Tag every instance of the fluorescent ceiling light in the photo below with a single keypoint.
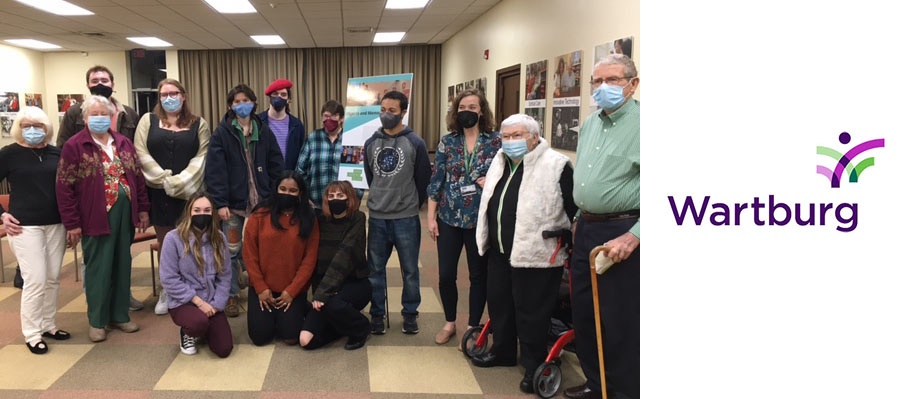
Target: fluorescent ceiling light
[
  {"x": 266, "y": 40},
  {"x": 31, "y": 43},
  {"x": 58, "y": 7},
  {"x": 405, "y": 4},
  {"x": 232, "y": 6},
  {"x": 389, "y": 37},
  {"x": 150, "y": 41}
]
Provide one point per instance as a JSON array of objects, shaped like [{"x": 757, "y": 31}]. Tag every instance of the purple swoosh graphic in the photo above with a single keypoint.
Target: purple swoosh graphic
[
  {"x": 862, "y": 147},
  {"x": 824, "y": 171}
]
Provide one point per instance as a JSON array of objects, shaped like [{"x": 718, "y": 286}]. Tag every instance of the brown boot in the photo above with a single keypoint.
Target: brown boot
[{"x": 231, "y": 309}]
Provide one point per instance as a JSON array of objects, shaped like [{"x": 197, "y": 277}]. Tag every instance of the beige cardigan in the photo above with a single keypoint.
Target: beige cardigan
[{"x": 182, "y": 185}]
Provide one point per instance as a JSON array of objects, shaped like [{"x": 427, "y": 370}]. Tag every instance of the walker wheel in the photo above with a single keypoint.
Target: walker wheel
[
  {"x": 547, "y": 379},
  {"x": 468, "y": 343}
]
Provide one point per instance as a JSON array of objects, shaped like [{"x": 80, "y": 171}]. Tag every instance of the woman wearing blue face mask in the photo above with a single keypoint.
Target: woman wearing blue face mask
[
  {"x": 242, "y": 165},
  {"x": 527, "y": 190},
  {"x": 171, "y": 144},
  {"x": 36, "y": 234},
  {"x": 101, "y": 194}
]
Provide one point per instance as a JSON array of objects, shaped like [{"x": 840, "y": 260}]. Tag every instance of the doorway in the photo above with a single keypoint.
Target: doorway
[{"x": 507, "y": 92}]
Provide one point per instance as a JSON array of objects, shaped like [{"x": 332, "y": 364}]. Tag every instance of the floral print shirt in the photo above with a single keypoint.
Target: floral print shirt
[
  {"x": 451, "y": 181},
  {"x": 113, "y": 178}
]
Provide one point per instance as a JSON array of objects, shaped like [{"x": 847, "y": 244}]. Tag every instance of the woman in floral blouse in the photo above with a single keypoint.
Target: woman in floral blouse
[
  {"x": 461, "y": 162},
  {"x": 101, "y": 196}
]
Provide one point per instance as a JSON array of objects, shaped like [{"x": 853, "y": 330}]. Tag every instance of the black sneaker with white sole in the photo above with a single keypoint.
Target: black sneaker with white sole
[
  {"x": 410, "y": 325},
  {"x": 378, "y": 325},
  {"x": 188, "y": 344}
]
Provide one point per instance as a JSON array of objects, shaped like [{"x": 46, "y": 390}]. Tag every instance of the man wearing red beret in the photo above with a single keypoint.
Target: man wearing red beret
[{"x": 289, "y": 131}]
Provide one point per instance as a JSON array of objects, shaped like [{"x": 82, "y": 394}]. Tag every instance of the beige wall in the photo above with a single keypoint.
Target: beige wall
[
  {"x": 172, "y": 64},
  {"x": 527, "y": 31},
  {"x": 64, "y": 74},
  {"x": 21, "y": 71}
]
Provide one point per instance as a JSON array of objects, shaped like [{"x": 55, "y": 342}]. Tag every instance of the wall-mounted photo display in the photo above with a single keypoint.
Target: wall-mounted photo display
[
  {"x": 566, "y": 101},
  {"x": 6, "y": 122},
  {"x": 66, "y": 101},
  {"x": 536, "y": 91},
  {"x": 34, "y": 100},
  {"x": 9, "y": 101},
  {"x": 618, "y": 46}
]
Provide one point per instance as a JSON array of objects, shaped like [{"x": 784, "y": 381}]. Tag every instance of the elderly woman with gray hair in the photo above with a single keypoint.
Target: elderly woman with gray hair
[
  {"x": 32, "y": 221},
  {"x": 102, "y": 196},
  {"x": 527, "y": 190}
]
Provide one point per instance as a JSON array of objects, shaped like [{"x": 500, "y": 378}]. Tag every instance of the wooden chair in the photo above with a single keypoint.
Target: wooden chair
[
  {"x": 147, "y": 236},
  {"x": 4, "y": 200}
]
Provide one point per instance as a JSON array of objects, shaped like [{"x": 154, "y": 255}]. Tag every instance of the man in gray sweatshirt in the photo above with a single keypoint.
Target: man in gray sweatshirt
[{"x": 397, "y": 170}]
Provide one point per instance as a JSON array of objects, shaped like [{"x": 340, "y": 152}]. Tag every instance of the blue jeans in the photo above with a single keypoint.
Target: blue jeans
[
  {"x": 406, "y": 235},
  {"x": 234, "y": 235}
]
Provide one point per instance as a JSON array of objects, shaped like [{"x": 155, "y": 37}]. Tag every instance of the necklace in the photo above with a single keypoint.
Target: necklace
[{"x": 40, "y": 156}]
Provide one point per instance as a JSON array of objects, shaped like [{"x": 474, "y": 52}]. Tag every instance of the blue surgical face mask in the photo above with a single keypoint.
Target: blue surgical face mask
[
  {"x": 608, "y": 97},
  {"x": 171, "y": 104},
  {"x": 99, "y": 124},
  {"x": 243, "y": 110},
  {"x": 515, "y": 149},
  {"x": 34, "y": 135}
]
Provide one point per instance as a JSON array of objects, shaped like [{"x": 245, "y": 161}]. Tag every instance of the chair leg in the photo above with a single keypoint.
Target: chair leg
[
  {"x": 153, "y": 270},
  {"x": 387, "y": 311},
  {"x": 2, "y": 264}
]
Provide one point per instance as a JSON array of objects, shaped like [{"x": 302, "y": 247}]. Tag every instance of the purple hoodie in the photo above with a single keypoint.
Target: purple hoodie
[{"x": 181, "y": 280}]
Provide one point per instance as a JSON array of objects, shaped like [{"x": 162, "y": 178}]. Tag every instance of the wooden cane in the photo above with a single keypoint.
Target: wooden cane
[{"x": 593, "y": 258}]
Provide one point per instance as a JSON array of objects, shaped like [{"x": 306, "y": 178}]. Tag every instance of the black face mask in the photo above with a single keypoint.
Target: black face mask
[
  {"x": 337, "y": 206},
  {"x": 201, "y": 222},
  {"x": 278, "y": 103},
  {"x": 101, "y": 90},
  {"x": 285, "y": 201},
  {"x": 466, "y": 119}
]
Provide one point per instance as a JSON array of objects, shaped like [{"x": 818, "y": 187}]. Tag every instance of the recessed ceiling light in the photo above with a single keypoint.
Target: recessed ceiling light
[
  {"x": 31, "y": 43},
  {"x": 232, "y": 6},
  {"x": 405, "y": 4},
  {"x": 58, "y": 7},
  {"x": 267, "y": 40},
  {"x": 150, "y": 41},
  {"x": 389, "y": 37}
]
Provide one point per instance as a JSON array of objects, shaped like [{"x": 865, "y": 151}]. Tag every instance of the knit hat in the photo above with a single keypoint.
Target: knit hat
[{"x": 278, "y": 84}]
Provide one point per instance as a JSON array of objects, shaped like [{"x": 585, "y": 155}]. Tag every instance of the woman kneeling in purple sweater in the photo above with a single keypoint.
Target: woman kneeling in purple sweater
[{"x": 195, "y": 271}]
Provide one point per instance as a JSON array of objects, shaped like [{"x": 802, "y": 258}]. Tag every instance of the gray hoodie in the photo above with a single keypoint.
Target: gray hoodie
[{"x": 397, "y": 169}]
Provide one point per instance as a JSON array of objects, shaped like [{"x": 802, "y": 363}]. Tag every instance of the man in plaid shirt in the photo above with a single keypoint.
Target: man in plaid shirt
[{"x": 320, "y": 158}]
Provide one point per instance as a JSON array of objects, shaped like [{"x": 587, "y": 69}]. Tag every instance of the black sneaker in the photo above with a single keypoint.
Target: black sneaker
[
  {"x": 188, "y": 344},
  {"x": 378, "y": 325},
  {"x": 410, "y": 326}
]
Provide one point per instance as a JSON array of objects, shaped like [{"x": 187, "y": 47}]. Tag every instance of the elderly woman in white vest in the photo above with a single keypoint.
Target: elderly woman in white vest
[{"x": 527, "y": 190}]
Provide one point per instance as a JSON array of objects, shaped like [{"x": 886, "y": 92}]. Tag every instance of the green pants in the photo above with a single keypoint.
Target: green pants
[{"x": 107, "y": 271}]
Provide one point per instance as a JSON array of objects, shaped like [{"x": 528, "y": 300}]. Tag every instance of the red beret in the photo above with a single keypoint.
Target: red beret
[{"x": 279, "y": 84}]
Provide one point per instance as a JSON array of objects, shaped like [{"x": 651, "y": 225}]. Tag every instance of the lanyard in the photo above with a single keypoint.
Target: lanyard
[
  {"x": 469, "y": 156},
  {"x": 512, "y": 171}
]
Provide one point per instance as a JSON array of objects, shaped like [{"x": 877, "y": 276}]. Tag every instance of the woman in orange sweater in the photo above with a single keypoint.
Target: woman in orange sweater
[{"x": 279, "y": 263}]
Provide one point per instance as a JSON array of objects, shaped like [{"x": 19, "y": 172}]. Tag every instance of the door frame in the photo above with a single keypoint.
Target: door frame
[{"x": 498, "y": 93}]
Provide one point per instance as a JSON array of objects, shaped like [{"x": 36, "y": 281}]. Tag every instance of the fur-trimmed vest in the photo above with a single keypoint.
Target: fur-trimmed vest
[{"x": 540, "y": 207}]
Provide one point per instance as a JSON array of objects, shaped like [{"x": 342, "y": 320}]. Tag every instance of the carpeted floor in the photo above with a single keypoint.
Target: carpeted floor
[{"x": 148, "y": 363}]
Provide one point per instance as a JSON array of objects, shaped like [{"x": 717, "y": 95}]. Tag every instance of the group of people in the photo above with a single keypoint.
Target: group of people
[{"x": 256, "y": 195}]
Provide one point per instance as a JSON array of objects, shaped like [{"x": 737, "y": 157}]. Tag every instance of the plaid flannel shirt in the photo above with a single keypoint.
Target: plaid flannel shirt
[{"x": 319, "y": 162}]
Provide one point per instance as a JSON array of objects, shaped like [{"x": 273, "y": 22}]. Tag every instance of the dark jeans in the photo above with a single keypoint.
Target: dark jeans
[
  {"x": 450, "y": 242},
  {"x": 215, "y": 329},
  {"x": 340, "y": 317},
  {"x": 520, "y": 302},
  {"x": 406, "y": 235},
  {"x": 619, "y": 294},
  {"x": 262, "y": 325}
]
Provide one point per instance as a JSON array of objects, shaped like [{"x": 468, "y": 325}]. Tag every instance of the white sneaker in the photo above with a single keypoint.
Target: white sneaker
[
  {"x": 161, "y": 306},
  {"x": 188, "y": 344}
]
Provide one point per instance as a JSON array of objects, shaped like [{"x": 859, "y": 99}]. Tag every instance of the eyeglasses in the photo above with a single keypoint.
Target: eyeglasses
[
  {"x": 170, "y": 94},
  {"x": 610, "y": 81},
  {"x": 516, "y": 136},
  {"x": 26, "y": 125}
]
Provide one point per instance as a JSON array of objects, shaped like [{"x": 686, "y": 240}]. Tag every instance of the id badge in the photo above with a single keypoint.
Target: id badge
[{"x": 467, "y": 190}]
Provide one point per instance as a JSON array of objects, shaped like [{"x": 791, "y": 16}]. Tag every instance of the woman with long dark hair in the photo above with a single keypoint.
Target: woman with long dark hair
[{"x": 281, "y": 243}]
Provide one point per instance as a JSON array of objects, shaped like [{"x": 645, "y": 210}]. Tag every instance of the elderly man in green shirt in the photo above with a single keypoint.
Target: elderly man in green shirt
[{"x": 607, "y": 191}]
